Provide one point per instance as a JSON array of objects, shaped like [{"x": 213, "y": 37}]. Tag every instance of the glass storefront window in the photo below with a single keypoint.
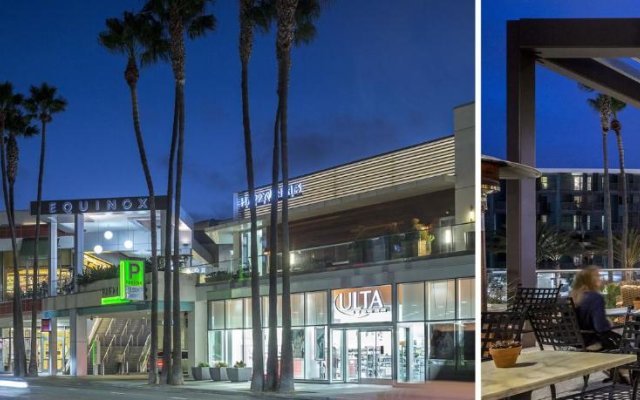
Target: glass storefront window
[
  {"x": 411, "y": 302},
  {"x": 297, "y": 309},
  {"x": 442, "y": 341},
  {"x": 265, "y": 310},
  {"x": 235, "y": 352},
  {"x": 467, "y": 344},
  {"x": 234, "y": 313},
  {"x": 466, "y": 298},
  {"x": 411, "y": 353},
  {"x": 441, "y": 300},
  {"x": 216, "y": 314},
  {"x": 316, "y": 305},
  {"x": 315, "y": 352},
  {"x": 247, "y": 313},
  {"x": 248, "y": 348},
  {"x": 216, "y": 353},
  {"x": 297, "y": 343}
]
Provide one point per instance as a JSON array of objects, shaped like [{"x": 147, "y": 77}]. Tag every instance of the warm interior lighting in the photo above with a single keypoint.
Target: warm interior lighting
[{"x": 97, "y": 249}]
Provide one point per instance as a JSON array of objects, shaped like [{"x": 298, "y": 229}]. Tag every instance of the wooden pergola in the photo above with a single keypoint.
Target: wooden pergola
[{"x": 600, "y": 53}]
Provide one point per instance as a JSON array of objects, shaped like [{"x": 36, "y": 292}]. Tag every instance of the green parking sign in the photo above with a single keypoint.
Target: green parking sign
[{"x": 131, "y": 285}]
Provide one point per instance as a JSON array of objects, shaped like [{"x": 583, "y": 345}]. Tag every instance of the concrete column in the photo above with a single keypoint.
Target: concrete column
[
  {"x": 53, "y": 347},
  {"x": 78, "y": 350},
  {"x": 78, "y": 248},
  {"x": 521, "y": 194},
  {"x": 53, "y": 256},
  {"x": 197, "y": 334},
  {"x": 465, "y": 161}
]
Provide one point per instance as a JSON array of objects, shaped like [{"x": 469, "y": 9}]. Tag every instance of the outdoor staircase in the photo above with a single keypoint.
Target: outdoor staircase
[{"x": 114, "y": 339}]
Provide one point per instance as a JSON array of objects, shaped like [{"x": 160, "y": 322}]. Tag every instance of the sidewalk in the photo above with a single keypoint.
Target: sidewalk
[{"x": 440, "y": 390}]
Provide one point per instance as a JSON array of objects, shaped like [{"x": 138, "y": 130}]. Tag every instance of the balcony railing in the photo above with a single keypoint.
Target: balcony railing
[{"x": 400, "y": 246}]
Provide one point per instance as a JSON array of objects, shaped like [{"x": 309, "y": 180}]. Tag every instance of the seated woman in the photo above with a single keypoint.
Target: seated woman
[{"x": 590, "y": 310}]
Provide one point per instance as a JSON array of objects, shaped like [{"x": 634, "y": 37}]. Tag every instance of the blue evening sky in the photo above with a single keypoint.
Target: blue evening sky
[
  {"x": 567, "y": 130},
  {"x": 380, "y": 75}
]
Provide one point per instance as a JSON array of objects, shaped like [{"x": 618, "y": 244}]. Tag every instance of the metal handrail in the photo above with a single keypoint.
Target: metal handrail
[
  {"x": 109, "y": 327},
  {"x": 107, "y": 351},
  {"x": 124, "y": 354},
  {"x": 144, "y": 355},
  {"x": 124, "y": 331}
]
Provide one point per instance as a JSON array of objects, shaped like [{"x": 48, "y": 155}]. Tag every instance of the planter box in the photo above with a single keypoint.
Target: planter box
[
  {"x": 239, "y": 374},
  {"x": 218, "y": 373},
  {"x": 197, "y": 373}
]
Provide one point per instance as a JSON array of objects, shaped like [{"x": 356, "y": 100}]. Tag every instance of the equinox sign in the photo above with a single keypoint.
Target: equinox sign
[{"x": 362, "y": 304}]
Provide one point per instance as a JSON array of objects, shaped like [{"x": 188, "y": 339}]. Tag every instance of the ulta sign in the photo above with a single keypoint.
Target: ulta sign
[
  {"x": 131, "y": 284},
  {"x": 365, "y": 304}
]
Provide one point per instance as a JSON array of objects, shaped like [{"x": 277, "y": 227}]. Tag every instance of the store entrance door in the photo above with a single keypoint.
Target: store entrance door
[{"x": 362, "y": 355}]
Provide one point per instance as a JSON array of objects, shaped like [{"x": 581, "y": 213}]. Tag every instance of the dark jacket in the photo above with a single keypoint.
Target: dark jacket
[{"x": 591, "y": 314}]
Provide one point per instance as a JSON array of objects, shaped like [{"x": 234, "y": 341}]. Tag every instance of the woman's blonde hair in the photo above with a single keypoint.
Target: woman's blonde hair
[{"x": 585, "y": 281}]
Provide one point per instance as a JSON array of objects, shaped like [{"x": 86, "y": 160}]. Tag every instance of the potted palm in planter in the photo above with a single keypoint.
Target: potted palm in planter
[
  {"x": 505, "y": 353},
  {"x": 239, "y": 372},
  {"x": 197, "y": 371},
  {"x": 219, "y": 372}
]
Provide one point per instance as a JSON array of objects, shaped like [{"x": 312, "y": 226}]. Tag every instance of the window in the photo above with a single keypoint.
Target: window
[
  {"x": 411, "y": 302},
  {"x": 543, "y": 218},
  {"x": 442, "y": 341},
  {"x": 544, "y": 182},
  {"x": 248, "y": 314},
  {"x": 577, "y": 200},
  {"x": 234, "y": 313},
  {"x": 576, "y": 222},
  {"x": 215, "y": 347},
  {"x": 216, "y": 314},
  {"x": 588, "y": 222},
  {"x": 577, "y": 182},
  {"x": 466, "y": 298},
  {"x": 316, "y": 305},
  {"x": 265, "y": 310},
  {"x": 589, "y": 183},
  {"x": 441, "y": 300},
  {"x": 297, "y": 309}
]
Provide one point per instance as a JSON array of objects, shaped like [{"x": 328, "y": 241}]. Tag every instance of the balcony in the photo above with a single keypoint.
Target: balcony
[{"x": 443, "y": 241}]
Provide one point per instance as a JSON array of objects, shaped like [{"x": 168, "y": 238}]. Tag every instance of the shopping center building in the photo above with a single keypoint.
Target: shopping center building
[
  {"x": 86, "y": 319},
  {"x": 382, "y": 258}
]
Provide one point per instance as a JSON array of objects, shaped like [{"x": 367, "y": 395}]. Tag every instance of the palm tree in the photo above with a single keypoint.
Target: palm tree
[
  {"x": 42, "y": 104},
  {"x": 252, "y": 15},
  {"x": 602, "y": 104},
  {"x": 632, "y": 249},
  {"x": 617, "y": 106},
  {"x": 9, "y": 103},
  {"x": 18, "y": 123},
  {"x": 140, "y": 40},
  {"x": 552, "y": 245},
  {"x": 295, "y": 25},
  {"x": 179, "y": 18}
]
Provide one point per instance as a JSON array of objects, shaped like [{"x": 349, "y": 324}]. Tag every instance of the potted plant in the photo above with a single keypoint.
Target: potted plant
[
  {"x": 219, "y": 372},
  {"x": 239, "y": 372},
  {"x": 505, "y": 353},
  {"x": 196, "y": 372}
]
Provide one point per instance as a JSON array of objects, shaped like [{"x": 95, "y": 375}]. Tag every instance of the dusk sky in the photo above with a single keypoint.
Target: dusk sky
[
  {"x": 567, "y": 129},
  {"x": 381, "y": 75}
]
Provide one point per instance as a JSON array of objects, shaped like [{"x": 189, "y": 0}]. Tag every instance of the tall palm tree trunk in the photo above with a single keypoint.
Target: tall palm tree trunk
[
  {"x": 19, "y": 354},
  {"x": 132, "y": 80},
  {"x": 177, "y": 326},
  {"x": 272, "y": 346},
  {"x": 617, "y": 128},
  {"x": 607, "y": 202},
  {"x": 286, "y": 21},
  {"x": 246, "y": 38},
  {"x": 166, "y": 339},
  {"x": 33, "y": 362}
]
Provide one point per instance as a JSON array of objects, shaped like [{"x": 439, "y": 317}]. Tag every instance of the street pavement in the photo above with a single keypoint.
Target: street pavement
[{"x": 135, "y": 388}]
